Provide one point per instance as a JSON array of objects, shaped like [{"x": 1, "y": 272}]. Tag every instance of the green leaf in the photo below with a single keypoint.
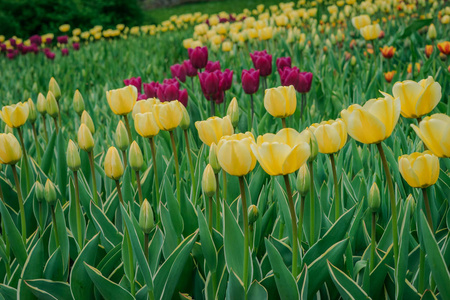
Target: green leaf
[
  {"x": 33, "y": 269},
  {"x": 46, "y": 162},
  {"x": 235, "y": 288},
  {"x": 62, "y": 234},
  {"x": 173, "y": 207},
  {"x": 414, "y": 27},
  {"x": 15, "y": 239},
  {"x": 257, "y": 292},
  {"x": 348, "y": 289},
  {"x": 61, "y": 164},
  {"x": 402, "y": 264},
  {"x": 106, "y": 287},
  {"x": 208, "y": 248},
  {"x": 47, "y": 289},
  {"x": 9, "y": 293},
  {"x": 110, "y": 236}
]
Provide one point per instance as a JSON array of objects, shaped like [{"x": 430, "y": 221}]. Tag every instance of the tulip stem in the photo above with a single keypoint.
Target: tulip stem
[
  {"x": 213, "y": 108},
  {"x": 55, "y": 225},
  {"x": 224, "y": 190},
  {"x": 146, "y": 246},
  {"x": 138, "y": 182},
  {"x": 217, "y": 202},
  {"x": 294, "y": 226},
  {"x": 45, "y": 128},
  {"x": 302, "y": 106},
  {"x": 25, "y": 157},
  {"x": 252, "y": 108},
  {"x": 246, "y": 235},
  {"x": 41, "y": 219},
  {"x": 337, "y": 201},
  {"x": 393, "y": 202},
  {"x": 312, "y": 205},
  {"x": 56, "y": 125},
  {"x": 191, "y": 166},
  {"x": 94, "y": 181},
  {"x": 78, "y": 211},
  {"x": 36, "y": 142},
  {"x": 283, "y": 122},
  {"x": 427, "y": 208},
  {"x": 127, "y": 125},
  {"x": 21, "y": 207},
  {"x": 119, "y": 192},
  {"x": 177, "y": 167},
  {"x": 300, "y": 220},
  {"x": 155, "y": 170},
  {"x": 373, "y": 241},
  {"x": 210, "y": 214},
  {"x": 124, "y": 157}
]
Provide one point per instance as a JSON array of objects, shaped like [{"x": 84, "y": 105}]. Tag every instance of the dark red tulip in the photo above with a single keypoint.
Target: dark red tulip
[
  {"x": 11, "y": 55},
  {"x": 226, "y": 79},
  {"x": 250, "y": 81},
  {"x": 50, "y": 55},
  {"x": 136, "y": 81},
  {"x": 13, "y": 42},
  {"x": 141, "y": 97},
  {"x": 283, "y": 62},
  {"x": 150, "y": 89},
  {"x": 178, "y": 71},
  {"x": 198, "y": 57},
  {"x": 263, "y": 62},
  {"x": 212, "y": 66},
  {"x": 65, "y": 52},
  {"x": 183, "y": 97},
  {"x": 34, "y": 48},
  {"x": 48, "y": 40},
  {"x": 304, "y": 82},
  {"x": 2, "y": 47},
  {"x": 190, "y": 70},
  {"x": 300, "y": 80},
  {"x": 36, "y": 40},
  {"x": 64, "y": 39},
  {"x": 210, "y": 84},
  {"x": 76, "y": 46},
  {"x": 167, "y": 92}
]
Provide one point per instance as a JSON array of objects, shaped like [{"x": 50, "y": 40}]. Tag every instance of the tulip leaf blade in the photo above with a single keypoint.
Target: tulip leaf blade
[
  {"x": 209, "y": 250},
  {"x": 46, "y": 162},
  {"x": 348, "y": 288},
  {"x": 47, "y": 289},
  {"x": 106, "y": 287},
  {"x": 16, "y": 242}
]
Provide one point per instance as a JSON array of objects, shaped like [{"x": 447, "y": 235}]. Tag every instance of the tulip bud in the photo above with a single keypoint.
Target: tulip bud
[
  {"x": 41, "y": 104},
  {"x": 51, "y": 105},
  {"x": 39, "y": 191},
  {"x": 135, "y": 157},
  {"x": 87, "y": 120},
  {"x": 78, "y": 102},
  {"x": 73, "y": 157},
  {"x": 113, "y": 164},
  {"x": 54, "y": 88},
  {"x": 413, "y": 203},
  {"x": 122, "y": 140},
  {"x": 146, "y": 222},
  {"x": 85, "y": 139},
  {"x": 303, "y": 180},
  {"x": 374, "y": 198},
  {"x": 32, "y": 112},
  {"x": 314, "y": 147},
  {"x": 209, "y": 181},
  {"x": 253, "y": 214},
  {"x": 353, "y": 61},
  {"x": 213, "y": 161},
  {"x": 186, "y": 120},
  {"x": 50, "y": 192},
  {"x": 233, "y": 112},
  {"x": 431, "y": 34}
]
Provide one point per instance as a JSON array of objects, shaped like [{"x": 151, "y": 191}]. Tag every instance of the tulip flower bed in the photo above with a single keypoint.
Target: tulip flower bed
[{"x": 299, "y": 151}]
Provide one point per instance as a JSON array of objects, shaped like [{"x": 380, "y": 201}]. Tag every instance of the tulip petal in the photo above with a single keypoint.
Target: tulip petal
[
  {"x": 364, "y": 127},
  {"x": 429, "y": 99},
  {"x": 296, "y": 158}
]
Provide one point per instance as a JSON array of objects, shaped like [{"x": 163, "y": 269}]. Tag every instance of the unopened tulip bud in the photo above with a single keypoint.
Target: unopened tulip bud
[
  {"x": 253, "y": 214},
  {"x": 78, "y": 102},
  {"x": 413, "y": 203},
  {"x": 113, "y": 164},
  {"x": 186, "y": 120},
  {"x": 73, "y": 157},
  {"x": 122, "y": 140},
  {"x": 233, "y": 112},
  {"x": 85, "y": 139},
  {"x": 303, "y": 180},
  {"x": 431, "y": 34},
  {"x": 213, "y": 161},
  {"x": 54, "y": 88},
  {"x": 87, "y": 120},
  {"x": 314, "y": 147},
  {"x": 41, "y": 104},
  {"x": 209, "y": 181},
  {"x": 135, "y": 157},
  {"x": 353, "y": 61},
  {"x": 146, "y": 222},
  {"x": 32, "y": 112},
  {"x": 50, "y": 192},
  {"x": 39, "y": 191},
  {"x": 374, "y": 198},
  {"x": 51, "y": 105}
]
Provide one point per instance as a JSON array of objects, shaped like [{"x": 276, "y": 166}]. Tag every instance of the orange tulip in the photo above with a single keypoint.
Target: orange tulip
[
  {"x": 444, "y": 47},
  {"x": 388, "y": 51}
]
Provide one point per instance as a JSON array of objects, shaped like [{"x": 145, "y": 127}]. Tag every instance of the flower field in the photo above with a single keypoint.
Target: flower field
[{"x": 290, "y": 151}]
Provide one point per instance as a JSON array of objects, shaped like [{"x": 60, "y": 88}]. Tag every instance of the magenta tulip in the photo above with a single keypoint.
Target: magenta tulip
[
  {"x": 136, "y": 81},
  {"x": 190, "y": 70},
  {"x": 178, "y": 71},
  {"x": 263, "y": 62},
  {"x": 283, "y": 62},
  {"x": 65, "y": 52},
  {"x": 212, "y": 66},
  {"x": 198, "y": 57},
  {"x": 250, "y": 81},
  {"x": 150, "y": 89}
]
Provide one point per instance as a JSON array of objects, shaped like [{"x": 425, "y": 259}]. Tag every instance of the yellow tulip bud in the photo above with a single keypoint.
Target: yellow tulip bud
[
  {"x": 431, "y": 34},
  {"x": 233, "y": 112},
  {"x": 280, "y": 102},
  {"x": 113, "y": 164},
  {"x": 361, "y": 21},
  {"x": 51, "y": 105},
  {"x": 146, "y": 222},
  {"x": 303, "y": 180},
  {"x": 15, "y": 115},
  {"x": 145, "y": 125},
  {"x": 374, "y": 198},
  {"x": 253, "y": 214},
  {"x": 135, "y": 157},
  {"x": 213, "y": 129},
  {"x": 209, "y": 181},
  {"x": 420, "y": 170},
  {"x": 168, "y": 115},
  {"x": 41, "y": 104},
  {"x": 39, "y": 191},
  {"x": 78, "y": 102},
  {"x": 10, "y": 150},
  {"x": 50, "y": 193},
  {"x": 186, "y": 120},
  {"x": 121, "y": 101},
  {"x": 122, "y": 140},
  {"x": 32, "y": 112},
  {"x": 54, "y": 88},
  {"x": 227, "y": 46},
  {"x": 434, "y": 133},
  {"x": 73, "y": 157},
  {"x": 85, "y": 139},
  {"x": 331, "y": 135},
  {"x": 353, "y": 61},
  {"x": 235, "y": 155},
  {"x": 410, "y": 198},
  {"x": 87, "y": 120},
  {"x": 370, "y": 32},
  {"x": 213, "y": 161}
]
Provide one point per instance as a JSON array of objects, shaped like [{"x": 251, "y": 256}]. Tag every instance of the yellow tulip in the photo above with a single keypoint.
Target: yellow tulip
[
  {"x": 265, "y": 33},
  {"x": 121, "y": 138},
  {"x": 15, "y": 115},
  {"x": 143, "y": 106},
  {"x": 64, "y": 28},
  {"x": 280, "y": 102},
  {"x": 370, "y": 32},
  {"x": 417, "y": 98},
  {"x": 73, "y": 157},
  {"x": 434, "y": 131},
  {"x": 32, "y": 112},
  {"x": 281, "y": 20},
  {"x": 86, "y": 119},
  {"x": 145, "y": 125},
  {"x": 361, "y": 21},
  {"x": 135, "y": 157},
  {"x": 85, "y": 139},
  {"x": 373, "y": 122},
  {"x": 235, "y": 155},
  {"x": 41, "y": 104},
  {"x": 51, "y": 105},
  {"x": 10, "y": 150},
  {"x": 121, "y": 101},
  {"x": 214, "y": 128},
  {"x": 54, "y": 88},
  {"x": 78, "y": 102},
  {"x": 168, "y": 115},
  {"x": 227, "y": 46},
  {"x": 282, "y": 153},
  {"x": 113, "y": 164},
  {"x": 331, "y": 135},
  {"x": 209, "y": 181},
  {"x": 420, "y": 170}
]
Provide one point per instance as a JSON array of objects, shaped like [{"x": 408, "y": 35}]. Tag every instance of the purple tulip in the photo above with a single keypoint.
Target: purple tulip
[
  {"x": 212, "y": 66},
  {"x": 198, "y": 57},
  {"x": 190, "y": 70},
  {"x": 36, "y": 40},
  {"x": 283, "y": 62},
  {"x": 34, "y": 48},
  {"x": 167, "y": 92},
  {"x": 250, "y": 81},
  {"x": 210, "y": 84},
  {"x": 300, "y": 80},
  {"x": 64, "y": 39},
  {"x": 183, "y": 97},
  {"x": 226, "y": 79},
  {"x": 263, "y": 62},
  {"x": 178, "y": 71},
  {"x": 2, "y": 47},
  {"x": 136, "y": 81},
  {"x": 76, "y": 46},
  {"x": 50, "y": 55},
  {"x": 141, "y": 97},
  {"x": 11, "y": 55},
  {"x": 65, "y": 52},
  {"x": 13, "y": 42},
  {"x": 48, "y": 41},
  {"x": 150, "y": 89},
  {"x": 304, "y": 82}
]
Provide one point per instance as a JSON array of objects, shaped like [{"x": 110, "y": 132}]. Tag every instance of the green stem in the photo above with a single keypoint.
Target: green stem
[
  {"x": 119, "y": 192},
  {"x": 124, "y": 158},
  {"x": 427, "y": 208},
  {"x": 337, "y": 212},
  {"x": 139, "y": 188},
  {"x": 45, "y": 128},
  {"x": 283, "y": 122},
  {"x": 294, "y": 226},
  {"x": 146, "y": 246},
  {"x": 155, "y": 170},
  {"x": 217, "y": 202},
  {"x": 130, "y": 256},
  {"x": 94, "y": 181},
  {"x": 36, "y": 142},
  {"x": 25, "y": 157},
  {"x": 302, "y": 106},
  {"x": 252, "y": 108},
  {"x": 213, "y": 108},
  {"x": 300, "y": 220},
  {"x": 393, "y": 202},
  {"x": 210, "y": 214},
  {"x": 23, "y": 221},
  {"x": 55, "y": 225},
  {"x": 373, "y": 241},
  {"x": 78, "y": 211},
  {"x": 127, "y": 125},
  {"x": 224, "y": 181},
  {"x": 312, "y": 205},
  {"x": 56, "y": 125},
  {"x": 245, "y": 218},
  {"x": 177, "y": 167},
  {"x": 191, "y": 167}
]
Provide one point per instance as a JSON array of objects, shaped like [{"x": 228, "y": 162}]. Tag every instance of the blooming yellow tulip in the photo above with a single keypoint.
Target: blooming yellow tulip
[
  {"x": 420, "y": 170},
  {"x": 331, "y": 135},
  {"x": 280, "y": 102},
  {"x": 10, "y": 151},
  {"x": 211, "y": 130},
  {"x": 265, "y": 33},
  {"x": 361, "y": 21},
  {"x": 15, "y": 115},
  {"x": 85, "y": 139},
  {"x": 64, "y": 27},
  {"x": 121, "y": 101},
  {"x": 145, "y": 124},
  {"x": 282, "y": 153},
  {"x": 113, "y": 165},
  {"x": 373, "y": 122},
  {"x": 144, "y": 106},
  {"x": 370, "y": 32},
  {"x": 434, "y": 131},
  {"x": 417, "y": 98},
  {"x": 235, "y": 155},
  {"x": 168, "y": 115}
]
